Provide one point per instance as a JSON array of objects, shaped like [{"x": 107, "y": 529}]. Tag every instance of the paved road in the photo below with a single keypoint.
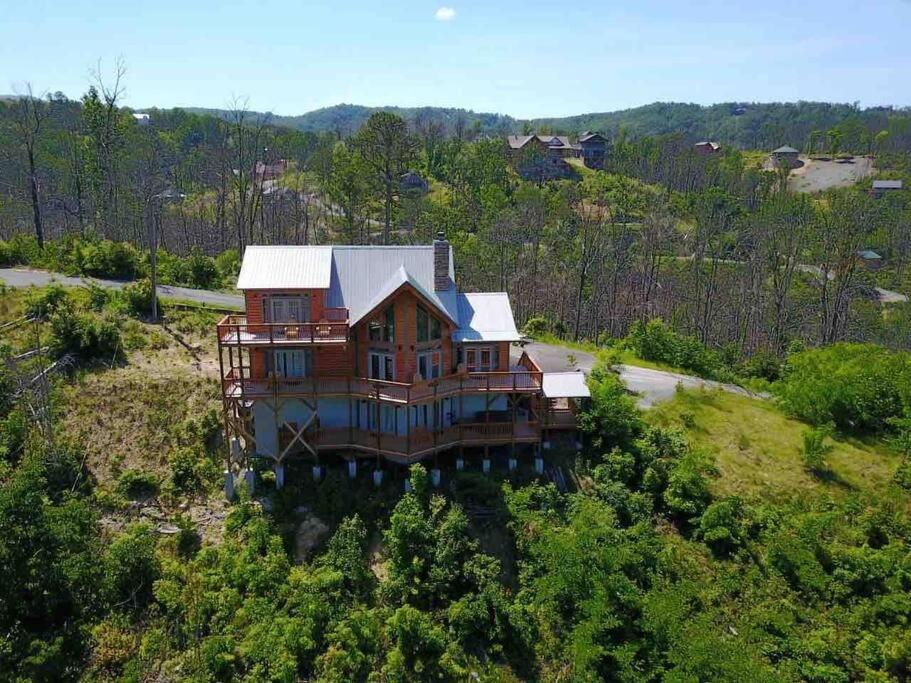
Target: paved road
[
  {"x": 652, "y": 386},
  {"x": 26, "y": 277}
]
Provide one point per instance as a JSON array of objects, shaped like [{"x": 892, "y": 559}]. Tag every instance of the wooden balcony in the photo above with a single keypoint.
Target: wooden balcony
[
  {"x": 237, "y": 387},
  {"x": 421, "y": 442},
  {"x": 331, "y": 329},
  {"x": 561, "y": 419}
]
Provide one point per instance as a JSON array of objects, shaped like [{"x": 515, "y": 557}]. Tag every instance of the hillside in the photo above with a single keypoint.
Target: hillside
[{"x": 760, "y": 125}]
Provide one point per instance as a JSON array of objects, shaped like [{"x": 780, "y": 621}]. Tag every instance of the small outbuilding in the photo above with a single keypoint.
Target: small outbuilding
[
  {"x": 881, "y": 187},
  {"x": 707, "y": 147},
  {"x": 785, "y": 156},
  {"x": 869, "y": 259},
  {"x": 412, "y": 182}
]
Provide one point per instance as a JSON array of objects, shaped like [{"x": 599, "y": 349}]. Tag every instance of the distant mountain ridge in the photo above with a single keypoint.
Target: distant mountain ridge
[{"x": 742, "y": 124}]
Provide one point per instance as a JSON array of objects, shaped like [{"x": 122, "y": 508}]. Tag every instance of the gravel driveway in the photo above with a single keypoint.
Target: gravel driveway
[{"x": 652, "y": 386}]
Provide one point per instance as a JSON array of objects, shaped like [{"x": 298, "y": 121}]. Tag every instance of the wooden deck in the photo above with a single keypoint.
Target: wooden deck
[
  {"x": 236, "y": 387},
  {"x": 234, "y": 330}
]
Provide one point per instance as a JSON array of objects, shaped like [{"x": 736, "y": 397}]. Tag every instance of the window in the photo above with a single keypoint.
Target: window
[
  {"x": 430, "y": 364},
  {"x": 287, "y": 309},
  {"x": 290, "y": 363},
  {"x": 383, "y": 329},
  {"x": 428, "y": 327},
  {"x": 381, "y": 365},
  {"x": 481, "y": 359}
]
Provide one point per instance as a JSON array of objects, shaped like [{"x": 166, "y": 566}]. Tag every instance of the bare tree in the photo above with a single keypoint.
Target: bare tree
[{"x": 30, "y": 115}]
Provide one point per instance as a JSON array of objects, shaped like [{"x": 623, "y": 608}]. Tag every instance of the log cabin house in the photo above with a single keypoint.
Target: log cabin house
[{"x": 371, "y": 351}]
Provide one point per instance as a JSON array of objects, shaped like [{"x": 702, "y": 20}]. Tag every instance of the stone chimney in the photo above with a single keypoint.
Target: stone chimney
[{"x": 440, "y": 263}]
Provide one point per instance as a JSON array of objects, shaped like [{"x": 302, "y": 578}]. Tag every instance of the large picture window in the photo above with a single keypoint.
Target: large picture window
[
  {"x": 429, "y": 327},
  {"x": 383, "y": 329}
]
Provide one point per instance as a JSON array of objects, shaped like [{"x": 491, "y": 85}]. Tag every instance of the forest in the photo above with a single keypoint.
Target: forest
[{"x": 714, "y": 538}]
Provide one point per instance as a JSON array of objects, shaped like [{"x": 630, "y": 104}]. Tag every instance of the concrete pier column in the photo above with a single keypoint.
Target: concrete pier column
[
  {"x": 352, "y": 468},
  {"x": 460, "y": 464},
  {"x": 279, "y": 476},
  {"x": 545, "y": 445},
  {"x": 512, "y": 464},
  {"x": 539, "y": 465},
  {"x": 250, "y": 481},
  {"x": 377, "y": 477},
  {"x": 485, "y": 465},
  {"x": 229, "y": 485},
  {"x": 317, "y": 473},
  {"x": 435, "y": 477},
  {"x": 408, "y": 487},
  {"x": 235, "y": 447}
]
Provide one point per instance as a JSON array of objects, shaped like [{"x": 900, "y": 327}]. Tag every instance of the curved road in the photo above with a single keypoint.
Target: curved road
[
  {"x": 652, "y": 386},
  {"x": 27, "y": 277}
]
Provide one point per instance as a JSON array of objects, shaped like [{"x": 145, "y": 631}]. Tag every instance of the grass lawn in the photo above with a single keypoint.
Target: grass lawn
[{"x": 757, "y": 448}]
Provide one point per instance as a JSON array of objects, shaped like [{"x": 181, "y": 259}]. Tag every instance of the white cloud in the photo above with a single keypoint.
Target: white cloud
[{"x": 445, "y": 14}]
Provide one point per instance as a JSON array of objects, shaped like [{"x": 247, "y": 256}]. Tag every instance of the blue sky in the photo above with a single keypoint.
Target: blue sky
[{"x": 526, "y": 59}]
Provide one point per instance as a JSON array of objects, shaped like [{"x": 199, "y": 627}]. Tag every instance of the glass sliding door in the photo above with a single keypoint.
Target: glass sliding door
[{"x": 291, "y": 363}]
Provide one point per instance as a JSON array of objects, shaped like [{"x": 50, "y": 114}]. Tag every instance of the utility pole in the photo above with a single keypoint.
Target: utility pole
[{"x": 155, "y": 203}]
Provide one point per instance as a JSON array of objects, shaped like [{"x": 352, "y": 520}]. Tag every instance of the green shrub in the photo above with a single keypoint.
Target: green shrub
[
  {"x": 815, "y": 450},
  {"x": 41, "y": 303},
  {"x": 611, "y": 418},
  {"x": 137, "y": 484},
  {"x": 191, "y": 470},
  {"x": 723, "y": 526},
  {"x": 107, "y": 259},
  {"x": 228, "y": 264},
  {"x": 657, "y": 342},
  {"x": 137, "y": 298},
  {"x": 85, "y": 334},
  {"x": 536, "y": 326},
  {"x": 856, "y": 387}
]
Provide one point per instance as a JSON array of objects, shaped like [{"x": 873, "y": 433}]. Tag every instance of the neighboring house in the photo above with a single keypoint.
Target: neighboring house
[
  {"x": 370, "y": 351},
  {"x": 881, "y": 187},
  {"x": 593, "y": 149},
  {"x": 785, "y": 156},
  {"x": 869, "y": 259},
  {"x": 707, "y": 148},
  {"x": 264, "y": 171},
  {"x": 411, "y": 182},
  {"x": 142, "y": 119},
  {"x": 541, "y": 157}
]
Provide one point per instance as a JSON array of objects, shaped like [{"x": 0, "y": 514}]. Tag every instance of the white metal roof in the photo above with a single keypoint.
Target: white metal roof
[
  {"x": 485, "y": 316},
  {"x": 887, "y": 184},
  {"x": 285, "y": 267},
  {"x": 565, "y": 385}
]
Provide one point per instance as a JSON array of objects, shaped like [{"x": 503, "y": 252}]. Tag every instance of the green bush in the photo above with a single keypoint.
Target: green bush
[
  {"x": 137, "y": 484},
  {"x": 85, "y": 334},
  {"x": 191, "y": 470},
  {"x": 137, "y": 298},
  {"x": 856, "y": 387},
  {"x": 41, "y": 303},
  {"x": 107, "y": 259},
  {"x": 657, "y": 342},
  {"x": 723, "y": 525},
  {"x": 611, "y": 418},
  {"x": 536, "y": 326},
  {"x": 815, "y": 450}
]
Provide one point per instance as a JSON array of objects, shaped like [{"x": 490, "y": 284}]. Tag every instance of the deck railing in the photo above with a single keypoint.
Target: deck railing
[
  {"x": 234, "y": 385},
  {"x": 331, "y": 328},
  {"x": 422, "y": 441}
]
